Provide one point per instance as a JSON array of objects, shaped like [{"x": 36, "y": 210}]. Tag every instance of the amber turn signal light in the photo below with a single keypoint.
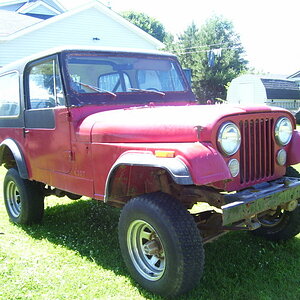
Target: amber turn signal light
[{"x": 166, "y": 154}]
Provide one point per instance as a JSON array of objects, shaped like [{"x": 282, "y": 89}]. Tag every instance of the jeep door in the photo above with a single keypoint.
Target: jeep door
[{"x": 47, "y": 128}]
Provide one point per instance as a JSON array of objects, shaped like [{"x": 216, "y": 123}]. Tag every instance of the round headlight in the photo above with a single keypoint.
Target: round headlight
[
  {"x": 229, "y": 138},
  {"x": 283, "y": 131}
]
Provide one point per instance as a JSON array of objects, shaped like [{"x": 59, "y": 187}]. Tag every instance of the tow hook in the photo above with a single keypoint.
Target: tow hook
[{"x": 290, "y": 206}]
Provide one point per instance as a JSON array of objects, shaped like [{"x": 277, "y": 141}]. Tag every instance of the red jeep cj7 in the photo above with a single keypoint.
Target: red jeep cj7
[{"x": 123, "y": 127}]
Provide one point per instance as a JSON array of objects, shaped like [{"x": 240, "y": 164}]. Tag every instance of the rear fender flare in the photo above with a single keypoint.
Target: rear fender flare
[
  {"x": 175, "y": 167},
  {"x": 17, "y": 154}
]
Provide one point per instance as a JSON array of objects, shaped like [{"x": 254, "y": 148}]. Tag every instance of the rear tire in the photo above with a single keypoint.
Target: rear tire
[
  {"x": 24, "y": 199},
  {"x": 161, "y": 244},
  {"x": 73, "y": 196},
  {"x": 292, "y": 172},
  {"x": 281, "y": 226}
]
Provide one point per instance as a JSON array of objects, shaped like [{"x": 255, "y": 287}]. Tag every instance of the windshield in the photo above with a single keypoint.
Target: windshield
[{"x": 113, "y": 76}]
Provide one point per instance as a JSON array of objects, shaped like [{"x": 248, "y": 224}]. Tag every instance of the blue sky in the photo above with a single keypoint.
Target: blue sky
[{"x": 269, "y": 29}]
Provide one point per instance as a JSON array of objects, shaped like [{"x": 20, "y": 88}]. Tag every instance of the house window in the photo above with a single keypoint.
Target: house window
[
  {"x": 45, "y": 85},
  {"x": 9, "y": 96}
]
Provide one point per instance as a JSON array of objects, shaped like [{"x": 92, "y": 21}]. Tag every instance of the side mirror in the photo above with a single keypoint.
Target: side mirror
[{"x": 188, "y": 75}]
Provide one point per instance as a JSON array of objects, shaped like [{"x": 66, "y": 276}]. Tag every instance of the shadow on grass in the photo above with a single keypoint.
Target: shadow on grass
[
  {"x": 89, "y": 228},
  {"x": 85, "y": 226},
  {"x": 238, "y": 265}
]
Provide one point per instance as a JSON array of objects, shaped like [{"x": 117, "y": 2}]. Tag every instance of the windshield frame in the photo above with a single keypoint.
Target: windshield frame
[{"x": 133, "y": 97}]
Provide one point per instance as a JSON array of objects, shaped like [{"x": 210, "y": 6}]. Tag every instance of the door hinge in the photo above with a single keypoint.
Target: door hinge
[
  {"x": 25, "y": 131},
  {"x": 69, "y": 116}
]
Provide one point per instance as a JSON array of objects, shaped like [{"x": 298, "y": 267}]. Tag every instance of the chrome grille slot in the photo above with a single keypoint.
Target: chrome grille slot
[{"x": 257, "y": 149}]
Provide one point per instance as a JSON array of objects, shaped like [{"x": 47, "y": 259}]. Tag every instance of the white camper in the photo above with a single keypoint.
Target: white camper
[{"x": 258, "y": 90}]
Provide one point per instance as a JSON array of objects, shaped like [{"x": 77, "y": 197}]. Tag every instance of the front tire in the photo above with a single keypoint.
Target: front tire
[
  {"x": 24, "y": 199},
  {"x": 161, "y": 244}
]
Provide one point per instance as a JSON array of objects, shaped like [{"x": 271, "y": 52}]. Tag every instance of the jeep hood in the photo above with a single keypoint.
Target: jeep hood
[{"x": 158, "y": 124}]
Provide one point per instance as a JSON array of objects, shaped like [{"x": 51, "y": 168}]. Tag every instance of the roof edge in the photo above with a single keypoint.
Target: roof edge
[
  {"x": 295, "y": 75},
  {"x": 11, "y": 2},
  {"x": 35, "y": 5}
]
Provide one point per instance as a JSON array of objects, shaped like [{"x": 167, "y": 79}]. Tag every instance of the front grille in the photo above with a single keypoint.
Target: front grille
[{"x": 257, "y": 149}]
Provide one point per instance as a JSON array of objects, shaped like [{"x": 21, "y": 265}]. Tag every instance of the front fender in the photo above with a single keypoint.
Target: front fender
[
  {"x": 205, "y": 163},
  {"x": 194, "y": 163},
  {"x": 293, "y": 156}
]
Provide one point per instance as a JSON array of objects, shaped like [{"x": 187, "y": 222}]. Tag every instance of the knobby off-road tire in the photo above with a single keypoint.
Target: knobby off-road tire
[
  {"x": 292, "y": 172},
  {"x": 161, "y": 244},
  {"x": 24, "y": 199},
  {"x": 282, "y": 225}
]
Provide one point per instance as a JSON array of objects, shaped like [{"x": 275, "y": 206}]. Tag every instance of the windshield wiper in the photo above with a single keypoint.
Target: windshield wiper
[
  {"x": 96, "y": 89},
  {"x": 147, "y": 91}
]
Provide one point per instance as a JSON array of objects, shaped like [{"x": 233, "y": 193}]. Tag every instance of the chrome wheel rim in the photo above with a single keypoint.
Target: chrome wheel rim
[
  {"x": 146, "y": 250},
  {"x": 13, "y": 199}
]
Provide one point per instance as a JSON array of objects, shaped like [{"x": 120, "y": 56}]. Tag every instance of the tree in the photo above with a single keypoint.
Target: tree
[
  {"x": 214, "y": 54},
  {"x": 218, "y": 71},
  {"x": 188, "y": 54},
  {"x": 148, "y": 24}
]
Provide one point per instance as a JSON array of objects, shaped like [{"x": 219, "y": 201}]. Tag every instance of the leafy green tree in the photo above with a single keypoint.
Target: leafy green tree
[
  {"x": 215, "y": 55},
  {"x": 187, "y": 50},
  {"x": 219, "y": 33},
  {"x": 148, "y": 24}
]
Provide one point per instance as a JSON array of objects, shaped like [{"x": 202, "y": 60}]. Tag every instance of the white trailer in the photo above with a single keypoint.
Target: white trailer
[{"x": 258, "y": 90}]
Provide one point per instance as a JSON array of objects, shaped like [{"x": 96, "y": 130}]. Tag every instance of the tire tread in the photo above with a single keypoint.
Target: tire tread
[
  {"x": 189, "y": 241},
  {"x": 33, "y": 209}
]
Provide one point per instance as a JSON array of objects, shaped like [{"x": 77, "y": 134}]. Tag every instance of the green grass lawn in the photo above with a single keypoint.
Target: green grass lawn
[{"x": 74, "y": 254}]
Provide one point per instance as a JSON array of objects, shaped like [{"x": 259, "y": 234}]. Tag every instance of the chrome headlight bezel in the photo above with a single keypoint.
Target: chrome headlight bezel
[
  {"x": 283, "y": 131},
  {"x": 229, "y": 138}
]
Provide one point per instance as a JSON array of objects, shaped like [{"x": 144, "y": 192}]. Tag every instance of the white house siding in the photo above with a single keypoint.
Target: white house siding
[{"x": 78, "y": 29}]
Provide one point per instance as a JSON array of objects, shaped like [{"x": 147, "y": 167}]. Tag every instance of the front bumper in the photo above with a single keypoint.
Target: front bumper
[{"x": 261, "y": 197}]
